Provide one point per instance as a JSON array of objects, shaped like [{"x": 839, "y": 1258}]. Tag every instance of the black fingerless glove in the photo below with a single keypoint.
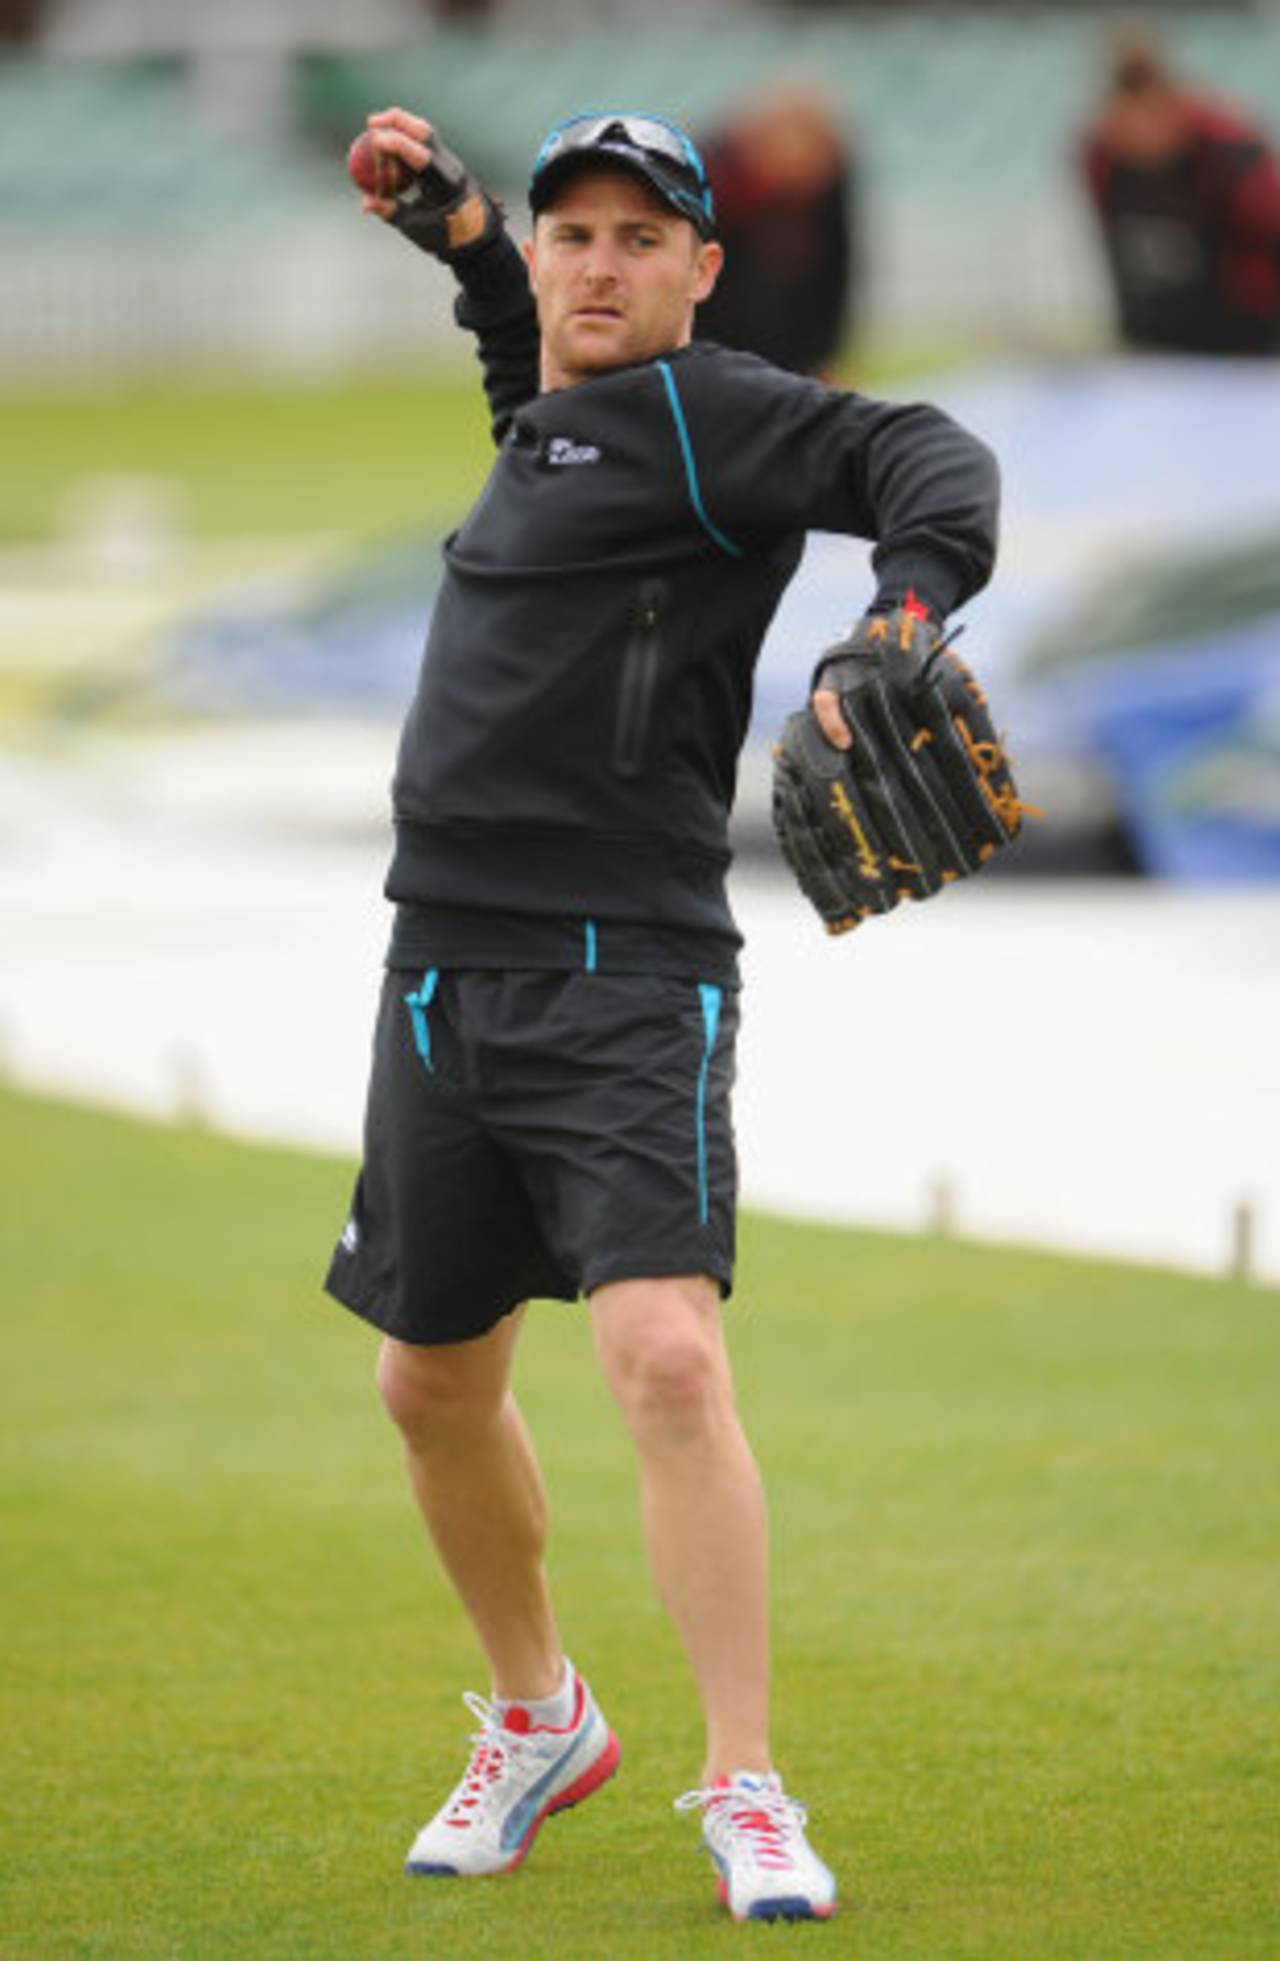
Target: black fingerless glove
[{"x": 423, "y": 209}]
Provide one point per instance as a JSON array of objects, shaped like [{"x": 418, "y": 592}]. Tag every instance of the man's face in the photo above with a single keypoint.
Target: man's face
[{"x": 616, "y": 274}]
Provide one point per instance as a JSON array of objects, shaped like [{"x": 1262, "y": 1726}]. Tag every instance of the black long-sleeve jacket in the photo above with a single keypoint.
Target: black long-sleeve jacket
[{"x": 570, "y": 755}]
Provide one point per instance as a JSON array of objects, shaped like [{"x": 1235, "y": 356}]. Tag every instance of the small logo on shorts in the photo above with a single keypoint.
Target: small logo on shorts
[
  {"x": 350, "y": 1237},
  {"x": 561, "y": 449}
]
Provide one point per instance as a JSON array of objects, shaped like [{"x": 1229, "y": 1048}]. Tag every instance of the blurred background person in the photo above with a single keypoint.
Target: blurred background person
[
  {"x": 1187, "y": 194},
  {"x": 18, "y": 22},
  {"x": 782, "y": 173}
]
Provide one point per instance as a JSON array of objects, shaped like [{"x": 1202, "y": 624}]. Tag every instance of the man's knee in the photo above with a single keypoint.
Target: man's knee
[
  {"x": 662, "y": 1355},
  {"x": 426, "y": 1391}
]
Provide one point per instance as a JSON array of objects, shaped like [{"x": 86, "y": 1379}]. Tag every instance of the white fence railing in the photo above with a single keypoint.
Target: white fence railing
[{"x": 328, "y": 291}]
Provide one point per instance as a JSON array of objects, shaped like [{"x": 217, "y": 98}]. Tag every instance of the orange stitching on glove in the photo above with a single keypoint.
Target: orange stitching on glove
[
  {"x": 868, "y": 863},
  {"x": 987, "y": 758}
]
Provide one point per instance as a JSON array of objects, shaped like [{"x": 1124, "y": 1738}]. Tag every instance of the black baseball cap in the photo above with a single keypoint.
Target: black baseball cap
[{"x": 649, "y": 146}]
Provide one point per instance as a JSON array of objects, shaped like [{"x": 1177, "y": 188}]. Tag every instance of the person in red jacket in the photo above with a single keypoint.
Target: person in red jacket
[
  {"x": 784, "y": 177},
  {"x": 1187, "y": 194}
]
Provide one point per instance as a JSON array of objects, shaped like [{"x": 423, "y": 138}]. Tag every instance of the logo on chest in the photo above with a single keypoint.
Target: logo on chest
[{"x": 562, "y": 450}]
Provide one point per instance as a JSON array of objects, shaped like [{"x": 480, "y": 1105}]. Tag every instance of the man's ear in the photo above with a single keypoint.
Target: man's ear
[
  {"x": 707, "y": 270},
  {"x": 527, "y": 253}
]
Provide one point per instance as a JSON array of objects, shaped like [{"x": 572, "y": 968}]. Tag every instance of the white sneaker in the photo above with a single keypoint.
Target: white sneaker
[
  {"x": 755, "y": 1835},
  {"x": 518, "y": 1775}
]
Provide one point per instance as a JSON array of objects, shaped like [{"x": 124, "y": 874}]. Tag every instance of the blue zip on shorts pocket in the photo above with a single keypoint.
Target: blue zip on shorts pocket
[
  {"x": 417, "y": 1005},
  {"x": 710, "y": 997}
]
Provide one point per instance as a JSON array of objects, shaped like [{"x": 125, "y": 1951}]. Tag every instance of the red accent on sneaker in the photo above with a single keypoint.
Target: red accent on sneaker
[
  {"x": 767, "y": 1834},
  {"x": 915, "y": 608},
  {"x": 487, "y": 1765},
  {"x": 760, "y": 1825},
  {"x": 519, "y": 1720}
]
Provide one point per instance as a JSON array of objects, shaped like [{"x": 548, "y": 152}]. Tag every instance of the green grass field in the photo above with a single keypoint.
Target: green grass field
[
  {"x": 252, "y": 458},
  {"x": 357, "y": 454},
  {"x": 1026, "y": 1522}
]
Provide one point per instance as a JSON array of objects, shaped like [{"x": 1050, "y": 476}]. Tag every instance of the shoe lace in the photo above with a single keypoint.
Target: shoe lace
[
  {"x": 493, "y": 1748},
  {"x": 766, "y": 1821}
]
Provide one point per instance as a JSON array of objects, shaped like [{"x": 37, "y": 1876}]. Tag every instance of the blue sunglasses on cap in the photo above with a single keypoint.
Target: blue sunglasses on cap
[{"x": 655, "y": 148}]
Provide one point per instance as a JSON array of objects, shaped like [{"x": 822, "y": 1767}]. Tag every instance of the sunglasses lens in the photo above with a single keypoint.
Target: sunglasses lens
[
  {"x": 648, "y": 136},
  {"x": 641, "y": 132}
]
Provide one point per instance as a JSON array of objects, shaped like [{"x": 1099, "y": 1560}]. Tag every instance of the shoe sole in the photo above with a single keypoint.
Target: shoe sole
[
  {"x": 582, "y": 1787},
  {"x": 793, "y": 1907}
]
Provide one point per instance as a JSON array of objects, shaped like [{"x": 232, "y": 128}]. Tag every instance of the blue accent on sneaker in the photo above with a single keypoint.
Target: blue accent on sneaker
[
  {"x": 589, "y": 951},
  {"x": 522, "y": 1815},
  {"x": 797, "y": 1908},
  {"x": 711, "y": 998},
  {"x": 417, "y": 1005}
]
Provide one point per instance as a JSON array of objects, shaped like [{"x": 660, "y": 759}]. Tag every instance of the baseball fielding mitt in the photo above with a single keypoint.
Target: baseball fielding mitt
[{"x": 925, "y": 794}]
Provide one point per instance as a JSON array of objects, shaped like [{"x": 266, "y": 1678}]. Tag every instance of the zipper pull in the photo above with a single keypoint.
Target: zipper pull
[{"x": 651, "y": 597}]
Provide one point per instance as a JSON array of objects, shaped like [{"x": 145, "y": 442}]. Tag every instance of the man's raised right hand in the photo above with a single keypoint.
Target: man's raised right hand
[{"x": 442, "y": 208}]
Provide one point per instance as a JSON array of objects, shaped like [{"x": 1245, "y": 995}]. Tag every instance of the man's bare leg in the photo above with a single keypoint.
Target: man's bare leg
[
  {"x": 476, "y": 1480},
  {"x": 661, "y": 1346}
]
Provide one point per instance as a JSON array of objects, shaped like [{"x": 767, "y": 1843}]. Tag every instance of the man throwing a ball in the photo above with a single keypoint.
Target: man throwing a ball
[{"x": 549, "y": 1110}]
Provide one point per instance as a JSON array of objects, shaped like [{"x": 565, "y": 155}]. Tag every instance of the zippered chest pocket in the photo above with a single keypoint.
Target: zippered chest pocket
[{"x": 638, "y": 681}]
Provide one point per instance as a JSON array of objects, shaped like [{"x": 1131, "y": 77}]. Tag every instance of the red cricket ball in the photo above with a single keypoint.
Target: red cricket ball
[{"x": 377, "y": 173}]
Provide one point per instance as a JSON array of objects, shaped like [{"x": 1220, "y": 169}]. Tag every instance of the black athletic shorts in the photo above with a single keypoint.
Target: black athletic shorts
[{"x": 535, "y": 1134}]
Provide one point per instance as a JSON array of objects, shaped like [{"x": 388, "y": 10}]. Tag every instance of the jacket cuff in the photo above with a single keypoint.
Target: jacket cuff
[
  {"x": 485, "y": 268},
  {"x": 933, "y": 580},
  {"x": 494, "y": 283}
]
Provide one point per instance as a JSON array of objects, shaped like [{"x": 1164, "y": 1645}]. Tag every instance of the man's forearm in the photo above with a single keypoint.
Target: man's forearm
[{"x": 496, "y": 305}]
